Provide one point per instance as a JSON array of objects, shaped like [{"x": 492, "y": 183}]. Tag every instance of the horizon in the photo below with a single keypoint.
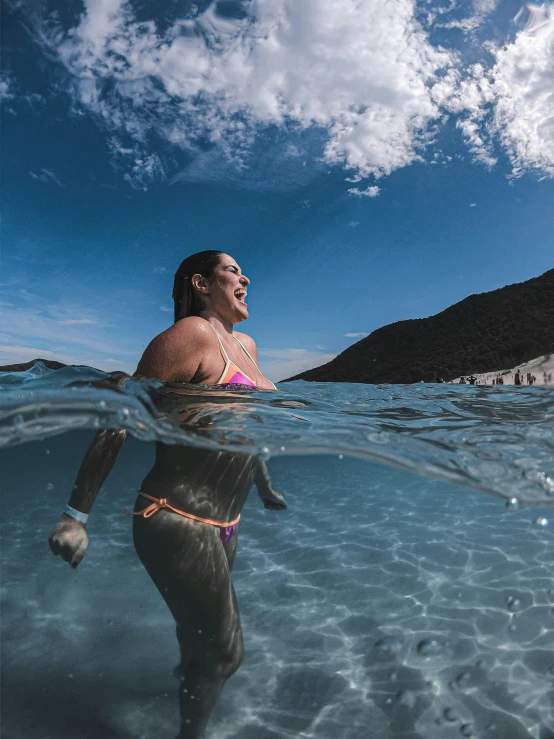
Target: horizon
[{"x": 363, "y": 166}]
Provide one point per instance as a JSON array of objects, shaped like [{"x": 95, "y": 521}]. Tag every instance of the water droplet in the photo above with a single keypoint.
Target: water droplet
[
  {"x": 540, "y": 523},
  {"x": 341, "y": 456},
  {"x": 47, "y": 451},
  {"x": 390, "y": 644},
  {"x": 265, "y": 450},
  {"x": 467, "y": 730},
  {"x": 282, "y": 448},
  {"x": 71, "y": 676},
  {"x": 406, "y": 698},
  {"x": 513, "y": 603},
  {"x": 429, "y": 647},
  {"x": 512, "y": 627},
  {"x": 393, "y": 676},
  {"x": 388, "y": 700},
  {"x": 549, "y": 484},
  {"x": 450, "y": 714},
  {"x": 50, "y": 486},
  {"x": 512, "y": 504},
  {"x": 101, "y": 404},
  {"x": 123, "y": 414}
]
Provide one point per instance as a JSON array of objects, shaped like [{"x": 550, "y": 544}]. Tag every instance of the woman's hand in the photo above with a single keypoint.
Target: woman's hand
[
  {"x": 273, "y": 500},
  {"x": 69, "y": 539}
]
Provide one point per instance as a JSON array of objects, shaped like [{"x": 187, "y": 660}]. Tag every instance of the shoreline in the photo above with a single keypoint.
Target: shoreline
[{"x": 542, "y": 368}]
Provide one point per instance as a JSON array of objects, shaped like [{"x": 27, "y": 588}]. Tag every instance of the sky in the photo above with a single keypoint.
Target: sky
[{"x": 364, "y": 162}]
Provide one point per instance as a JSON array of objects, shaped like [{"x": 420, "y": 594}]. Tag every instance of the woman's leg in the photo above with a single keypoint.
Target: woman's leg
[{"x": 190, "y": 567}]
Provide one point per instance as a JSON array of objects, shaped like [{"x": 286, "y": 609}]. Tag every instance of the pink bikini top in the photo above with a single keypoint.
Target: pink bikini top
[{"x": 233, "y": 375}]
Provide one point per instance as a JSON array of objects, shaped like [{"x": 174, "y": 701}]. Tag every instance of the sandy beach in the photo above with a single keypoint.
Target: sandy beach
[{"x": 542, "y": 368}]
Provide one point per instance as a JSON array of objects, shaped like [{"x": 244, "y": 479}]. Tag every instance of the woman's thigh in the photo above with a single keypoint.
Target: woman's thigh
[{"x": 189, "y": 565}]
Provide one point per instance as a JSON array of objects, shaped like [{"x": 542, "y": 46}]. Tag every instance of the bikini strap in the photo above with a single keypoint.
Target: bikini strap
[
  {"x": 225, "y": 355},
  {"x": 250, "y": 357}
]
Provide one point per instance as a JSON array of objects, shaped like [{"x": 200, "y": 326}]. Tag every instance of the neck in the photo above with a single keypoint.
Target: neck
[{"x": 220, "y": 324}]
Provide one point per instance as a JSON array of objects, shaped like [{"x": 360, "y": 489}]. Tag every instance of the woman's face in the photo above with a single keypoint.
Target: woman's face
[{"x": 227, "y": 290}]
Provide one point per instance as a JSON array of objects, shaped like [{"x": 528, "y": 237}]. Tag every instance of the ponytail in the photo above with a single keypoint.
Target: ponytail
[{"x": 186, "y": 300}]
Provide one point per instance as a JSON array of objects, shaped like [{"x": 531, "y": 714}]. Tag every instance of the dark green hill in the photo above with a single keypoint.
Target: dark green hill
[{"x": 482, "y": 333}]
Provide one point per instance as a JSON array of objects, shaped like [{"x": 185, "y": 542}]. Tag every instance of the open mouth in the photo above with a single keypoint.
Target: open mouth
[{"x": 240, "y": 295}]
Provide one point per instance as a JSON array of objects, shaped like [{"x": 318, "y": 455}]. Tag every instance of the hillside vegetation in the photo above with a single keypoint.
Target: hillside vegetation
[{"x": 482, "y": 333}]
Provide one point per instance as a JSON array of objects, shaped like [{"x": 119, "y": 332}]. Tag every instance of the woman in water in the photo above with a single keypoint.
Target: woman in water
[{"x": 187, "y": 512}]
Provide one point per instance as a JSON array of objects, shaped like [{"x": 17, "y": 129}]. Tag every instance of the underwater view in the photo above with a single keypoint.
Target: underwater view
[{"x": 407, "y": 591}]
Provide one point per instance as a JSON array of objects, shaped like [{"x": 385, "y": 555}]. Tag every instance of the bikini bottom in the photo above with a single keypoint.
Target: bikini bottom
[{"x": 226, "y": 530}]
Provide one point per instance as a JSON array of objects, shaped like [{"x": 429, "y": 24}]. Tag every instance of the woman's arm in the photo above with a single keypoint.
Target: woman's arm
[
  {"x": 173, "y": 355},
  {"x": 271, "y": 498},
  {"x": 69, "y": 538}
]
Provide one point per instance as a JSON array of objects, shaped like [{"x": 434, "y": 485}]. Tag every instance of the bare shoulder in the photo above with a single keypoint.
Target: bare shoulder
[{"x": 175, "y": 354}]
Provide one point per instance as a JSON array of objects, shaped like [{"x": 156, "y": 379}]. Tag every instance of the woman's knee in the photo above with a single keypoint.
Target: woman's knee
[
  {"x": 231, "y": 663},
  {"x": 223, "y": 664}
]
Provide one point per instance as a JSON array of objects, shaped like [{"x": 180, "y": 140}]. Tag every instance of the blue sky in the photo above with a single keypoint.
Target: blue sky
[{"x": 364, "y": 162}]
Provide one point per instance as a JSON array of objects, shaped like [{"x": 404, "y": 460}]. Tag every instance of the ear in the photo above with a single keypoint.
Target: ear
[{"x": 201, "y": 284}]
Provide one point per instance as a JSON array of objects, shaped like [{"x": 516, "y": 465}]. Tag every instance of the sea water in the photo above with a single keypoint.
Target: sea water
[{"x": 407, "y": 591}]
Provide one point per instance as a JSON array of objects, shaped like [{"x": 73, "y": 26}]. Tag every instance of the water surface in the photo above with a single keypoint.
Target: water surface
[{"x": 383, "y": 603}]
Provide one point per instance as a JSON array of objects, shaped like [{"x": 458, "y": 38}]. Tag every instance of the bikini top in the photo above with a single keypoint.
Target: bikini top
[{"x": 233, "y": 375}]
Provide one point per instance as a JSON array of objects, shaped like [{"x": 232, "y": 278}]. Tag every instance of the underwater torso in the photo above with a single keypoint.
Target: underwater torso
[{"x": 206, "y": 483}]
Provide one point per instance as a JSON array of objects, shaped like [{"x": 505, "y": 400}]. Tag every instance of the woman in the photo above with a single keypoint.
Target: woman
[{"x": 186, "y": 514}]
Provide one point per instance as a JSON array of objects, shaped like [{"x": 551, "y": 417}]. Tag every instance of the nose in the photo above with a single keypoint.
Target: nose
[{"x": 244, "y": 280}]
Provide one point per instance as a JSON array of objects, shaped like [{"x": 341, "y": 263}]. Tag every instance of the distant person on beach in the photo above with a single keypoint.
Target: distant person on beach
[
  {"x": 187, "y": 511},
  {"x": 517, "y": 378}
]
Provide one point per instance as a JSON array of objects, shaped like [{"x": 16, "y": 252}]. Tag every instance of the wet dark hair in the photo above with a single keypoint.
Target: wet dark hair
[{"x": 187, "y": 302}]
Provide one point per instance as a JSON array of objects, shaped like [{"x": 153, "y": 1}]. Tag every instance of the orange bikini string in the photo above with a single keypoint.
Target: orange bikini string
[{"x": 159, "y": 503}]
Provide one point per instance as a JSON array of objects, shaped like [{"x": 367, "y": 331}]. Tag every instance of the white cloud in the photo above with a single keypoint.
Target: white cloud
[
  {"x": 482, "y": 9},
  {"x": 20, "y": 354},
  {"x": 353, "y": 224},
  {"x": 165, "y": 309},
  {"x": 255, "y": 98},
  {"x": 47, "y": 176},
  {"x": 361, "y": 71},
  {"x": 512, "y": 102},
  {"x": 78, "y": 322},
  {"x": 6, "y": 87},
  {"x": 89, "y": 341},
  {"x": 523, "y": 83},
  {"x": 369, "y": 192},
  {"x": 472, "y": 205},
  {"x": 357, "y": 335},
  {"x": 278, "y": 364}
]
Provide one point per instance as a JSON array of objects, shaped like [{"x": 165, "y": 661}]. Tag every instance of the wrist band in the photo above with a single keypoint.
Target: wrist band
[{"x": 74, "y": 513}]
